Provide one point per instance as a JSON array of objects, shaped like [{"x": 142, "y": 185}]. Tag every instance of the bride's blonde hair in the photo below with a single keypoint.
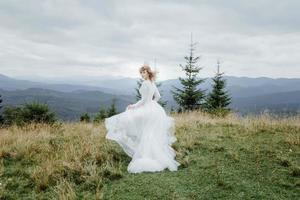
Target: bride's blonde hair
[{"x": 152, "y": 73}]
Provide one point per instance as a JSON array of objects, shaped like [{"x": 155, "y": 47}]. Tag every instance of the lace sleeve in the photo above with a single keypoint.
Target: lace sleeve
[
  {"x": 156, "y": 94},
  {"x": 145, "y": 92}
]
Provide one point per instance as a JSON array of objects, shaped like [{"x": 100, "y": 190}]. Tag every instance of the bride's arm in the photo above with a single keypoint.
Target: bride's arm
[
  {"x": 144, "y": 95},
  {"x": 156, "y": 94}
]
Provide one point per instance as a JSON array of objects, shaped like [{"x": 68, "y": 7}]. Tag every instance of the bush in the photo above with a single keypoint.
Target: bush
[
  {"x": 30, "y": 113},
  {"x": 100, "y": 115},
  {"x": 85, "y": 118},
  {"x": 12, "y": 115},
  {"x": 37, "y": 113}
]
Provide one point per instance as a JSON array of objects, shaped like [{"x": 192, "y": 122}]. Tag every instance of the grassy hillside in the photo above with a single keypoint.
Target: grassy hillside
[{"x": 232, "y": 158}]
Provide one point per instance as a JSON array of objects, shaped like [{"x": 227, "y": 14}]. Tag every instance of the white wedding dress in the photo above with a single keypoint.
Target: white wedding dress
[{"x": 145, "y": 132}]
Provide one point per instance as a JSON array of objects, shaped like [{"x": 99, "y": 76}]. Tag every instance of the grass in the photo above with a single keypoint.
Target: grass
[{"x": 222, "y": 158}]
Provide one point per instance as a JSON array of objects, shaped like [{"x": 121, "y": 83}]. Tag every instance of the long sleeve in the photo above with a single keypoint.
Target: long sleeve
[
  {"x": 156, "y": 94},
  {"x": 145, "y": 92}
]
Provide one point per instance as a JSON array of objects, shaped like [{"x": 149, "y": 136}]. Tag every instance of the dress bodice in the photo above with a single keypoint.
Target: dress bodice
[{"x": 148, "y": 90}]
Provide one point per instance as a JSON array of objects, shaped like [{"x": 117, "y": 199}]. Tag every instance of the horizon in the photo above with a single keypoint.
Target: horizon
[{"x": 42, "y": 79}]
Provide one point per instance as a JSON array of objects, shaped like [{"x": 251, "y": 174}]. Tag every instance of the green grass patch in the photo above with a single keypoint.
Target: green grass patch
[{"x": 221, "y": 159}]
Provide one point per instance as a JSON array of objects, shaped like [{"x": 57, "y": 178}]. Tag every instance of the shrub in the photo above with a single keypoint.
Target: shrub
[
  {"x": 100, "y": 115},
  {"x": 12, "y": 115},
  {"x": 37, "y": 113},
  {"x": 30, "y": 113},
  {"x": 85, "y": 118}
]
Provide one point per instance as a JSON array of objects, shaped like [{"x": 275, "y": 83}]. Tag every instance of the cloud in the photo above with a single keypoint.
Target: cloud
[{"x": 93, "y": 38}]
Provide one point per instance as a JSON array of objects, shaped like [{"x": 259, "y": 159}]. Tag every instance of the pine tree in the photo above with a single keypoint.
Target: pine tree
[
  {"x": 218, "y": 99},
  {"x": 100, "y": 115},
  {"x": 190, "y": 98},
  {"x": 112, "y": 110}
]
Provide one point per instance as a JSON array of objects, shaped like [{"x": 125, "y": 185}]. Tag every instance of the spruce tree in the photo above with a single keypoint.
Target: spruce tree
[
  {"x": 218, "y": 99},
  {"x": 190, "y": 97},
  {"x": 112, "y": 109},
  {"x": 100, "y": 115}
]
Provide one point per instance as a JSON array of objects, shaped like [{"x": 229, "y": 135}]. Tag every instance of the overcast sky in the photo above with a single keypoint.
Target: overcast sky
[{"x": 83, "y": 38}]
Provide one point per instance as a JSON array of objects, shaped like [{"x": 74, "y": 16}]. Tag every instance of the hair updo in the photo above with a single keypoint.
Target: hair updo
[{"x": 152, "y": 73}]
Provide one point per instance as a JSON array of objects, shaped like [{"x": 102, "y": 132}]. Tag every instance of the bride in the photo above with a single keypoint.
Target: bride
[{"x": 144, "y": 130}]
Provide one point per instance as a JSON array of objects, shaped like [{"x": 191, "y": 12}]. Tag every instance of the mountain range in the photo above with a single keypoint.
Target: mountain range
[{"x": 69, "y": 101}]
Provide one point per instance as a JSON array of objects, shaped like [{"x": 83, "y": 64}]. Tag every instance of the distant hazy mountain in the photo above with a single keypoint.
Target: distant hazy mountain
[
  {"x": 283, "y": 102},
  {"x": 8, "y": 83},
  {"x": 246, "y": 87},
  {"x": 67, "y": 105},
  {"x": 238, "y": 86},
  {"x": 243, "y": 86},
  {"x": 109, "y": 84},
  {"x": 248, "y": 94},
  {"x": 91, "y": 80}
]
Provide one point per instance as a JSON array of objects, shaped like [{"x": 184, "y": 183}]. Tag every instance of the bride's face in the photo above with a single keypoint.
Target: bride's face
[{"x": 144, "y": 74}]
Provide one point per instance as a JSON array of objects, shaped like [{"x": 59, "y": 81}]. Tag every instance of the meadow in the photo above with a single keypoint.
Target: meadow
[{"x": 251, "y": 157}]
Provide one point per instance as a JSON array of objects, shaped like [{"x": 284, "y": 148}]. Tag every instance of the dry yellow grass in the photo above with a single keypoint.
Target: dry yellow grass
[
  {"x": 56, "y": 158},
  {"x": 77, "y": 151}
]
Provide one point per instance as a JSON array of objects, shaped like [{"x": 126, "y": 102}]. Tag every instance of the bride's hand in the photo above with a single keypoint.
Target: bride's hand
[{"x": 129, "y": 106}]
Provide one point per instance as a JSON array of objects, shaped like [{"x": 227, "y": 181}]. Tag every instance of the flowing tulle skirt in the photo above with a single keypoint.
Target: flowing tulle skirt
[{"x": 145, "y": 134}]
